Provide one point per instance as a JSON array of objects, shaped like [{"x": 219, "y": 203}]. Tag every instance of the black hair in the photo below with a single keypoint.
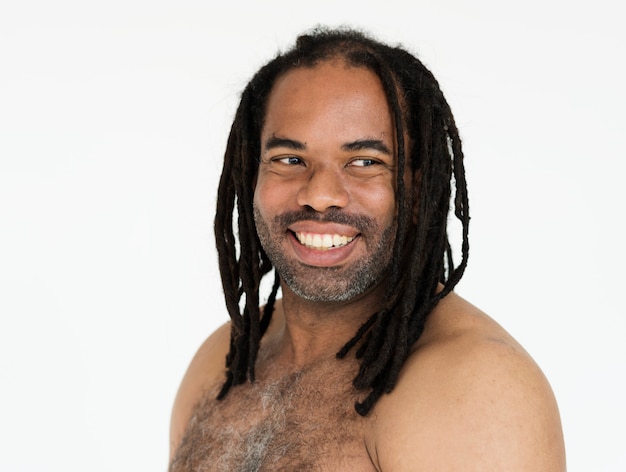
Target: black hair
[{"x": 422, "y": 268}]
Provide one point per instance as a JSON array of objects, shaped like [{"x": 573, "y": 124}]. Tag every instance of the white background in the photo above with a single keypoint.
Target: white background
[{"x": 113, "y": 121}]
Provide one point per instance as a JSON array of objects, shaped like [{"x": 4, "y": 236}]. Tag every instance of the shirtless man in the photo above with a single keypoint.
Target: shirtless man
[{"x": 341, "y": 161}]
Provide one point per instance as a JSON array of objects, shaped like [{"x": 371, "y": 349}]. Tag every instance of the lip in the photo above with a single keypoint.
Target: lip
[
  {"x": 330, "y": 257},
  {"x": 323, "y": 228}
]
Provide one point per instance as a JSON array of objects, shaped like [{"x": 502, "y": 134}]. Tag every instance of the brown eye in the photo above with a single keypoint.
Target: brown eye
[
  {"x": 289, "y": 160},
  {"x": 363, "y": 162}
]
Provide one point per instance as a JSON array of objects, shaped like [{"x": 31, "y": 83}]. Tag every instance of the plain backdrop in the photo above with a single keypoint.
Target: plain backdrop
[{"x": 113, "y": 122}]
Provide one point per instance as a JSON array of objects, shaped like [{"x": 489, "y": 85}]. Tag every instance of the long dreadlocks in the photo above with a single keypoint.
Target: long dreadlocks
[{"x": 422, "y": 256}]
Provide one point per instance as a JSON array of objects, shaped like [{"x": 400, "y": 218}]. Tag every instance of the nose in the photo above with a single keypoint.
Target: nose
[{"x": 324, "y": 189}]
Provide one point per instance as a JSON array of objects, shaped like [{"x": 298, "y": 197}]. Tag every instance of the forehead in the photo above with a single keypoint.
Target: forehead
[{"x": 339, "y": 98}]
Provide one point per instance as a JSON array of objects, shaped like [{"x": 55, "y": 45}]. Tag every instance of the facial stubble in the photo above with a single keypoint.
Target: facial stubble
[{"x": 328, "y": 284}]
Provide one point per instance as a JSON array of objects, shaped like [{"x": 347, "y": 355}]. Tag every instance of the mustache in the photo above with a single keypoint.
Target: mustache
[{"x": 333, "y": 215}]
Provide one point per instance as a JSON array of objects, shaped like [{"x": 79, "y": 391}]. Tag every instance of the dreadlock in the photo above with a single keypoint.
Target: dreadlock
[{"x": 422, "y": 255}]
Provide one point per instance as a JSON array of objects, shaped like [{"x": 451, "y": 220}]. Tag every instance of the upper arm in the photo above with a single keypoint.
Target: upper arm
[
  {"x": 206, "y": 368},
  {"x": 476, "y": 407}
]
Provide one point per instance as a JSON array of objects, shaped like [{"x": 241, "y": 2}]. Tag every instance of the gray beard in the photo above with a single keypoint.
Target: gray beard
[{"x": 330, "y": 284}]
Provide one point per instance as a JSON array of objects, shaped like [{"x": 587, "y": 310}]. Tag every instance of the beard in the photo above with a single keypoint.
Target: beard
[{"x": 328, "y": 284}]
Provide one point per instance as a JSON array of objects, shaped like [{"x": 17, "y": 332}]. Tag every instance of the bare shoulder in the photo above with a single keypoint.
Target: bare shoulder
[
  {"x": 469, "y": 398},
  {"x": 206, "y": 368}
]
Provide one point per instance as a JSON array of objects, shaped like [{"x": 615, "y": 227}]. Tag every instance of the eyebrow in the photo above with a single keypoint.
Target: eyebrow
[
  {"x": 361, "y": 144},
  {"x": 276, "y": 142},
  {"x": 358, "y": 145}
]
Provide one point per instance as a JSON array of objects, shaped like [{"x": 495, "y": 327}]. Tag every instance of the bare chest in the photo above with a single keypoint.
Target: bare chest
[{"x": 298, "y": 422}]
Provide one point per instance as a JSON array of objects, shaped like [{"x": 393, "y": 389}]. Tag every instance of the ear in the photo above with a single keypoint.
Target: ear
[{"x": 415, "y": 194}]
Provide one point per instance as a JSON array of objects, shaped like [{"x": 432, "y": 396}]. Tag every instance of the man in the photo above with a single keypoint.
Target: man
[{"x": 340, "y": 162}]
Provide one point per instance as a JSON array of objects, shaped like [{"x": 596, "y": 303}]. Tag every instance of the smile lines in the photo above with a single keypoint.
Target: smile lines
[{"x": 322, "y": 241}]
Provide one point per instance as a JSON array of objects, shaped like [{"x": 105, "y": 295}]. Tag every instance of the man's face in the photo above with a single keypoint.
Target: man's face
[{"x": 324, "y": 201}]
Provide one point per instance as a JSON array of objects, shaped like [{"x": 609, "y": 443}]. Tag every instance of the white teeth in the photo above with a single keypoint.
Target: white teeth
[{"x": 322, "y": 241}]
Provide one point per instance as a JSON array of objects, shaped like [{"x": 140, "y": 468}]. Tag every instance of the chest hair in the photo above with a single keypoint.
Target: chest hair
[{"x": 301, "y": 421}]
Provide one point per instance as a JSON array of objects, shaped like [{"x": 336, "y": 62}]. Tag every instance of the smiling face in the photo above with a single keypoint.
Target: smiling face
[{"x": 324, "y": 201}]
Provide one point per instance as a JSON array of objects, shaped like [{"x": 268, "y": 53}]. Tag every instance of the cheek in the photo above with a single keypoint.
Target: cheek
[
  {"x": 270, "y": 197},
  {"x": 258, "y": 201},
  {"x": 380, "y": 203}
]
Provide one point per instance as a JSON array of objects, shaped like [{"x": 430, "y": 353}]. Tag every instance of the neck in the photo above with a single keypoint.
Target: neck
[{"x": 308, "y": 331}]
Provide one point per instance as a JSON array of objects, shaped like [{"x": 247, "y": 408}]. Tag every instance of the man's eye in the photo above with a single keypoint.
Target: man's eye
[
  {"x": 289, "y": 160},
  {"x": 363, "y": 162}
]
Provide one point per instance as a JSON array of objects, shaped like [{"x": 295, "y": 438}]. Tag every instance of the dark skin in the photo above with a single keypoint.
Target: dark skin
[{"x": 468, "y": 398}]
